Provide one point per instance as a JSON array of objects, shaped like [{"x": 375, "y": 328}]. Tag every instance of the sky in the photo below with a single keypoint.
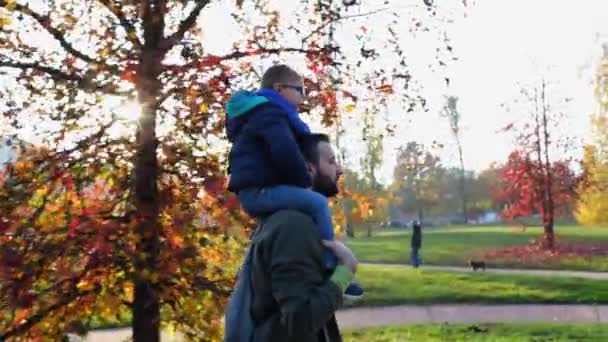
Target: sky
[
  {"x": 505, "y": 42},
  {"x": 502, "y": 44},
  {"x": 499, "y": 44}
]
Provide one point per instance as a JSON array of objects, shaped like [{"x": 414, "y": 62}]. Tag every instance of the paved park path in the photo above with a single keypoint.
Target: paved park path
[
  {"x": 540, "y": 273},
  {"x": 441, "y": 313},
  {"x": 470, "y": 313},
  {"x": 418, "y": 314}
]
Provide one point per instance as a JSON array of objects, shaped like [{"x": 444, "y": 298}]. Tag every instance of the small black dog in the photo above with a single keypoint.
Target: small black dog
[{"x": 477, "y": 265}]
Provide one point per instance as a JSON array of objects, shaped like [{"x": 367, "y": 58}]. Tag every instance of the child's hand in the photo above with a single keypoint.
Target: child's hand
[{"x": 344, "y": 254}]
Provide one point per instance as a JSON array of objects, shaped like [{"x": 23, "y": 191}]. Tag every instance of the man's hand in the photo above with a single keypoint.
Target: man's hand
[{"x": 344, "y": 254}]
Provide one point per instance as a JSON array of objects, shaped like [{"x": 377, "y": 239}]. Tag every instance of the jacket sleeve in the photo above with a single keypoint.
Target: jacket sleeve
[
  {"x": 285, "y": 152},
  {"x": 306, "y": 298}
]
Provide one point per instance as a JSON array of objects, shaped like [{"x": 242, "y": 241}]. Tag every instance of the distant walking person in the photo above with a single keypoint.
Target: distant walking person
[{"x": 416, "y": 244}]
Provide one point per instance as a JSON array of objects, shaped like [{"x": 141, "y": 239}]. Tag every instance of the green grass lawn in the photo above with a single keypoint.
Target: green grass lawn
[
  {"x": 391, "y": 285},
  {"x": 482, "y": 332},
  {"x": 456, "y": 245}
]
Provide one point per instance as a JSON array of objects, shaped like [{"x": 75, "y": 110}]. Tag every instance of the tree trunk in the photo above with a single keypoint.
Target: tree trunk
[
  {"x": 549, "y": 214},
  {"x": 419, "y": 206},
  {"x": 146, "y": 305},
  {"x": 420, "y": 212},
  {"x": 542, "y": 182},
  {"x": 346, "y": 207},
  {"x": 350, "y": 230},
  {"x": 146, "y": 308},
  {"x": 463, "y": 193}
]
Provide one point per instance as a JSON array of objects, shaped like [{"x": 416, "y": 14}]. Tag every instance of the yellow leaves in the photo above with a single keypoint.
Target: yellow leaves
[
  {"x": 129, "y": 291},
  {"x": 154, "y": 277},
  {"x": 22, "y": 166},
  {"x": 203, "y": 108},
  {"x": 70, "y": 20},
  {"x": 592, "y": 206},
  {"x": 132, "y": 35},
  {"x": 10, "y": 4},
  {"x": 72, "y": 126},
  {"x": 105, "y": 53},
  {"x": 4, "y": 20},
  {"x": 85, "y": 285},
  {"x": 109, "y": 304},
  {"x": 350, "y": 107}
]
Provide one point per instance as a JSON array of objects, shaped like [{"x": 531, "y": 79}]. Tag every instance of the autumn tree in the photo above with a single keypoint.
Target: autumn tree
[
  {"x": 417, "y": 175},
  {"x": 446, "y": 187},
  {"x": 482, "y": 192},
  {"x": 593, "y": 189},
  {"x": 592, "y": 206},
  {"x": 371, "y": 159},
  {"x": 539, "y": 140},
  {"x": 365, "y": 203},
  {"x": 451, "y": 113},
  {"x": 521, "y": 191},
  {"x": 118, "y": 205}
]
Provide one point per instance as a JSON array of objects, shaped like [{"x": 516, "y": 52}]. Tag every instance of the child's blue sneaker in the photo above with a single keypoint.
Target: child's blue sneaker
[{"x": 354, "y": 293}]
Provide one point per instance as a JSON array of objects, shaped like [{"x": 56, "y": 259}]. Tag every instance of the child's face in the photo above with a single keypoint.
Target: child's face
[{"x": 292, "y": 91}]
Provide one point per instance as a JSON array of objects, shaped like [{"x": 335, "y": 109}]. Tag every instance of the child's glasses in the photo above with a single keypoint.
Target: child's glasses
[{"x": 299, "y": 89}]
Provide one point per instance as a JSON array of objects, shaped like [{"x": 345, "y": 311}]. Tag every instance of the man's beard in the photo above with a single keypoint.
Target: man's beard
[{"x": 324, "y": 185}]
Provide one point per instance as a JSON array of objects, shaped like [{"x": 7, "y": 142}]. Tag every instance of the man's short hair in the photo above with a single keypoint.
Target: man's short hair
[
  {"x": 310, "y": 146},
  {"x": 278, "y": 74}
]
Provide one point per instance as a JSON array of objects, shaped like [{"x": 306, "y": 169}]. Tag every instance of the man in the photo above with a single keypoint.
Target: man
[{"x": 294, "y": 297}]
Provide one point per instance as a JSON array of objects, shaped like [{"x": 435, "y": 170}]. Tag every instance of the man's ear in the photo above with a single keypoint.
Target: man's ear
[{"x": 311, "y": 169}]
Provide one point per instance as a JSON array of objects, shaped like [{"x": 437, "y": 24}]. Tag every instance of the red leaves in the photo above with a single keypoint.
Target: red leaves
[
  {"x": 4, "y": 226},
  {"x": 349, "y": 95},
  {"x": 329, "y": 99},
  {"x": 11, "y": 257},
  {"x": 232, "y": 203},
  {"x": 74, "y": 224},
  {"x": 535, "y": 253},
  {"x": 25, "y": 299},
  {"x": 316, "y": 68},
  {"x": 209, "y": 61},
  {"x": 386, "y": 89},
  {"x": 215, "y": 186},
  {"x": 22, "y": 315},
  {"x": 523, "y": 183},
  {"x": 128, "y": 75},
  {"x": 68, "y": 182}
]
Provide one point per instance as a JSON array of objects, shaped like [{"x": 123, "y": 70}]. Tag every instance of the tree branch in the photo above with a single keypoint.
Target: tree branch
[
  {"x": 261, "y": 51},
  {"x": 184, "y": 26},
  {"x": 59, "y": 75},
  {"x": 318, "y": 29},
  {"x": 124, "y": 22},
  {"x": 40, "y": 315},
  {"x": 55, "y": 73},
  {"x": 240, "y": 54},
  {"x": 45, "y": 22}
]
